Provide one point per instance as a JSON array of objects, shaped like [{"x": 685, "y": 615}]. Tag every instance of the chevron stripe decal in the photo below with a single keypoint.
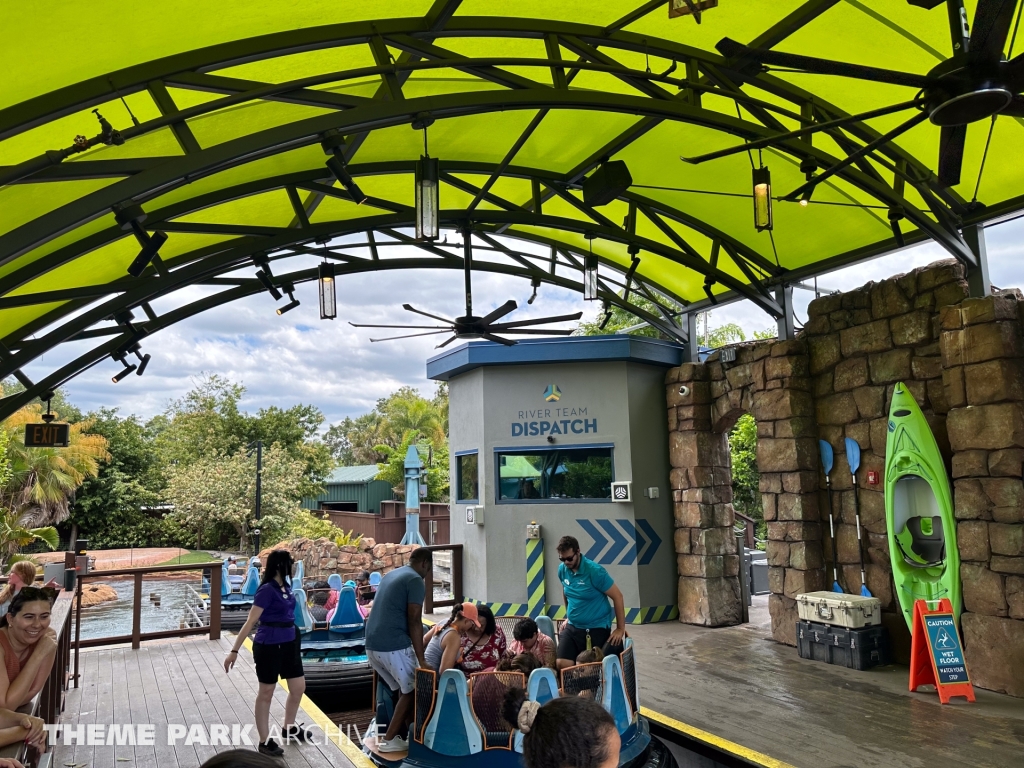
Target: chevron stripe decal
[{"x": 620, "y": 541}]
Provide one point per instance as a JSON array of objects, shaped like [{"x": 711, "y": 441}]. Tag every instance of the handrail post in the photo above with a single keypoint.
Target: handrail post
[
  {"x": 428, "y": 593},
  {"x": 78, "y": 624},
  {"x": 457, "y": 592},
  {"x": 137, "y": 614},
  {"x": 215, "y": 587}
]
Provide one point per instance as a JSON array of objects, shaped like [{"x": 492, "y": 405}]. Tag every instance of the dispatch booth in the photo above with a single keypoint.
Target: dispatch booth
[{"x": 561, "y": 436}]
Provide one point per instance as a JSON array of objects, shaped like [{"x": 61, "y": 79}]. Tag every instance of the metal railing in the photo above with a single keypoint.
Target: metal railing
[
  {"x": 137, "y": 635},
  {"x": 456, "y": 579}
]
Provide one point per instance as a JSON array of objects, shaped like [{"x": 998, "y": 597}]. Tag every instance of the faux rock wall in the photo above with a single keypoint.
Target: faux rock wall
[
  {"x": 323, "y": 557},
  {"x": 963, "y": 359}
]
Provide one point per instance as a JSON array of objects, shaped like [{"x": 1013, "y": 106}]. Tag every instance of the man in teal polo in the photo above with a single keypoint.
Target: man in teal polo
[{"x": 586, "y": 589}]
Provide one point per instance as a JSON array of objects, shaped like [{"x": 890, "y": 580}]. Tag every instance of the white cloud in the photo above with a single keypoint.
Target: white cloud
[{"x": 298, "y": 358}]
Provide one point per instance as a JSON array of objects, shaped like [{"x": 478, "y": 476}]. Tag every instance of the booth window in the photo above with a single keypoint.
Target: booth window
[
  {"x": 467, "y": 469},
  {"x": 554, "y": 475}
]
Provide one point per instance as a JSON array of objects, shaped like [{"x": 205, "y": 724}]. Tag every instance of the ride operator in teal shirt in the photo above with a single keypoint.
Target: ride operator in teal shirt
[{"x": 586, "y": 589}]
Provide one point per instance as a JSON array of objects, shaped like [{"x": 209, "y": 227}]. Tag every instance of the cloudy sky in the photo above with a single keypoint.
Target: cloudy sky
[{"x": 296, "y": 357}]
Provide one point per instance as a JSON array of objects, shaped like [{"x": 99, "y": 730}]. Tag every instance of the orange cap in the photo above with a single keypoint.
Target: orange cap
[{"x": 470, "y": 612}]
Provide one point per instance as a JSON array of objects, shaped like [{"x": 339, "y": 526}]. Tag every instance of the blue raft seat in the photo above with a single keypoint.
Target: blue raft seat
[
  {"x": 303, "y": 618},
  {"x": 346, "y": 629},
  {"x": 252, "y": 582},
  {"x": 227, "y": 597},
  {"x": 547, "y": 626},
  {"x": 542, "y": 687},
  {"x": 375, "y": 579},
  {"x": 614, "y": 697},
  {"x": 334, "y": 582},
  {"x": 299, "y": 572},
  {"x": 452, "y": 729}
]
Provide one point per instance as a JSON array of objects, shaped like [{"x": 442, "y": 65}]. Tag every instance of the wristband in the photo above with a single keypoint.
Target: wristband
[{"x": 232, "y": 651}]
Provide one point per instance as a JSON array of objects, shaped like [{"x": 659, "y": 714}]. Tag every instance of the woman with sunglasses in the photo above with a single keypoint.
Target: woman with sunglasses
[
  {"x": 275, "y": 651},
  {"x": 27, "y": 646}
]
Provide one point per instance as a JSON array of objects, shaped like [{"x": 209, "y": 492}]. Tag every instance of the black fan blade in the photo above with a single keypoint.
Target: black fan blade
[
  {"x": 539, "y": 331},
  {"x": 411, "y": 308},
  {"x": 1015, "y": 108},
  {"x": 855, "y": 156},
  {"x": 1013, "y": 72},
  {"x": 413, "y": 327},
  {"x": 897, "y": 233},
  {"x": 732, "y": 49},
  {"x": 498, "y": 339},
  {"x": 537, "y": 321},
  {"x": 504, "y": 309},
  {"x": 992, "y": 20},
  {"x": 951, "y": 154},
  {"x": 446, "y": 343},
  {"x": 412, "y": 335}
]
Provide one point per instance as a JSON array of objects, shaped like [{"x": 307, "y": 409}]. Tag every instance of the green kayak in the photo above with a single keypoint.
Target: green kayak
[{"x": 918, "y": 510}]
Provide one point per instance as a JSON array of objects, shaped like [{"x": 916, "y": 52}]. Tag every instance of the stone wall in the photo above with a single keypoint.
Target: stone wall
[
  {"x": 963, "y": 360},
  {"x": 323, "y": 557}
]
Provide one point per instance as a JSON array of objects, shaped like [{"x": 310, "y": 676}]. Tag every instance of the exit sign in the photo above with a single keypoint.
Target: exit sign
[
  {"x": 678, "y": 8},
  {"x": 46, "y": 435}
]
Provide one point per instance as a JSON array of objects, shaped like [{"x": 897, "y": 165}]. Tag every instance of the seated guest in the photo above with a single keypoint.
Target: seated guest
[
  {"x": 364, "y": 593},
  {"x": 484, "y": 645},
  {"x": 318, "y": 595},
  {"x": 444, "y": 649},
  {"x": 588, "y": 685},
  {"x": 521, "y": 662},
  {"x": 23, "y": 574},
  {"x": 27, "y": 646},
  {"x": 529, "y": 639}
]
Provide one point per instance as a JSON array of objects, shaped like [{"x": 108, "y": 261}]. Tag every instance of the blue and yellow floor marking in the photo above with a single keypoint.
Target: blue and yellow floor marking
[
  {"x": 717, "y": 742},
  {"x": 649, "y": 615},
  {"x": 355, "y": 755}
]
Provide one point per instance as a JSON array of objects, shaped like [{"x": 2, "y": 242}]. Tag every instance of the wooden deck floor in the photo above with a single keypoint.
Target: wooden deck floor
[
  {"x": 741, "y": 686},
  {"x": 176, "y": 682}
]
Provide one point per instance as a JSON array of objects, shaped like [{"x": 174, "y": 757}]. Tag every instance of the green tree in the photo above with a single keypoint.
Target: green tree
[
  {"x": 13, "y": 534},
  {"x": 435, "y": 461},
  {"x": 221, "y": 489},
  {"x": 622, "y": 318},
  {"x": 746, "y": 495},
  {"x": 108, "y": 509}
]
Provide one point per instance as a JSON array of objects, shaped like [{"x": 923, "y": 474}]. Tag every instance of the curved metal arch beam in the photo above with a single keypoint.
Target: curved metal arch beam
[
  {"x": 382, "y": 114},
  {"x": 12, "y": 403},
  {"x": 238, "y": 254}
]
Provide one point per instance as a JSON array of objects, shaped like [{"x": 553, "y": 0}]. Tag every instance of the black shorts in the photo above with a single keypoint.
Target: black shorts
[
  {"x": 572, "y": 641},
  {"x": 274, "y": 660}
]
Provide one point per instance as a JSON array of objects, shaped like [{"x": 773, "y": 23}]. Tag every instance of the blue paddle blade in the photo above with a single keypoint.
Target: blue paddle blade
[
  {"x": 836, "y": 587},
  {"x": 865, "y": 591},
  {"x": 826, "y": 455},
  {"x": 853, "y": 455}
]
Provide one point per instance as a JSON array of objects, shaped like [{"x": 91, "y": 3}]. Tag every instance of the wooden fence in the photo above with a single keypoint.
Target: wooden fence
[{"x": 389, "y": 526}]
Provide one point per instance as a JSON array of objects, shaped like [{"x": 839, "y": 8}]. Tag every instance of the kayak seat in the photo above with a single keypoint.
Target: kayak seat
[
  {"x": 303, "y": 620},
  {"x": 252, "y": 582},
  {"x": 346, "y": 616},
  {"x": 927, "y": 541}
]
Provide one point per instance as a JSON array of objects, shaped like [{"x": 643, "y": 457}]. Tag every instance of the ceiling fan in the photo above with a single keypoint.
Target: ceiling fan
[
  {"x": 976, "y": 82},
  {"x": 469, "y": 326}
]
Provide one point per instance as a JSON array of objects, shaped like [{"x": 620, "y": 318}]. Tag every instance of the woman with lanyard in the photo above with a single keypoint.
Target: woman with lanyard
[{"x": 275, "y": 651}]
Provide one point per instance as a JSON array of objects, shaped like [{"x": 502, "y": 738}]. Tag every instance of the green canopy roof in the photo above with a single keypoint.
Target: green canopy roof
[{"x": 221, "y": 109}]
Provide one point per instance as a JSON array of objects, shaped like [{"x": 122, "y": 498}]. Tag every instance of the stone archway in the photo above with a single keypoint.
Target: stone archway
[{"x": 770, "y": 380}]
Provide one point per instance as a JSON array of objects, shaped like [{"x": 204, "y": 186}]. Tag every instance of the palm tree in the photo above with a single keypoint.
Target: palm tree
[
  {"x": 43, "y": 480},
  {"x": 14, "y": 536},
  {"x": 416, "y": 414}
]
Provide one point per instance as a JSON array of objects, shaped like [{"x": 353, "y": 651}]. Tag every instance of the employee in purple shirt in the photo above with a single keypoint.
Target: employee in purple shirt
[{"x": 275, "y": 651}]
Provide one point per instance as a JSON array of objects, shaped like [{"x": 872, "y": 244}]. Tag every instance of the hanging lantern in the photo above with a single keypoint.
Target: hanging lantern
[
  {"x": 426, "y": 198},
  {"x": 590, "y": 273},
  {"x": 762, "y": 199},
  {"x": 328, "y": 294}
]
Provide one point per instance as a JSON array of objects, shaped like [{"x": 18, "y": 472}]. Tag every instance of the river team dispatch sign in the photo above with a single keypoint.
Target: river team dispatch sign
[{"x": 46, "y": 435}]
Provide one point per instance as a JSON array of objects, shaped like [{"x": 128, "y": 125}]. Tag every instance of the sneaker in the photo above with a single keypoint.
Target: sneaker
[
  {"x": 270, "y": 747},
  {"x": 298, "y": 732},
  {"x": 397, "y": 744}
]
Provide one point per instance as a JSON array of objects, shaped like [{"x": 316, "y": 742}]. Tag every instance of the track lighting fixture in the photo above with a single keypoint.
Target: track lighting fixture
[
  {"x": 606, "y": 307},
  {"x": 128, "y": 369},
  {"x": 762, "y": 179},
  {"x": 590, "y": 272},
  {"x": 143, "y": 362},
  {"x": 290, "y": 290},
  {"x": 333, "y": 144},
  {"x": 328, "y": 292},
  {"x": 535, "y": 284},
  {"x": 131, "y": 216},
  {"x": 264, "y": 278}
]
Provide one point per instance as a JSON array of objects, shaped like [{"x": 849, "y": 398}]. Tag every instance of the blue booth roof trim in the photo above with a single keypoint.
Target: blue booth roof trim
[{"x": 572, "y": 349}]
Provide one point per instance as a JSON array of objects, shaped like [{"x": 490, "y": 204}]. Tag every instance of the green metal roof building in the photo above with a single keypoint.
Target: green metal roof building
[{"x": 352, "y": 489}]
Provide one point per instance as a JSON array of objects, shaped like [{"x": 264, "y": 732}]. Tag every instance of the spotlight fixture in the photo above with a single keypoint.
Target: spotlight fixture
[
  {"x": 143, "y": 362},
  {"x": 535, "y": 284},
  {"x": 606, "y": 307},
  {"x": 264, "y": 278},
  {"x": 762, "y": 179},
  {"x": 805, "y": 198},
  {"x": 128, "y": 369},
  {"x": 290, "y": 290},
  {"x": 333, "y": 144},
  {"x": 328, "y": 293},
  {"x": 131, "y": 216},
  {"x": 590, "y": 272},
  {"x": 427, "y": 198}
]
